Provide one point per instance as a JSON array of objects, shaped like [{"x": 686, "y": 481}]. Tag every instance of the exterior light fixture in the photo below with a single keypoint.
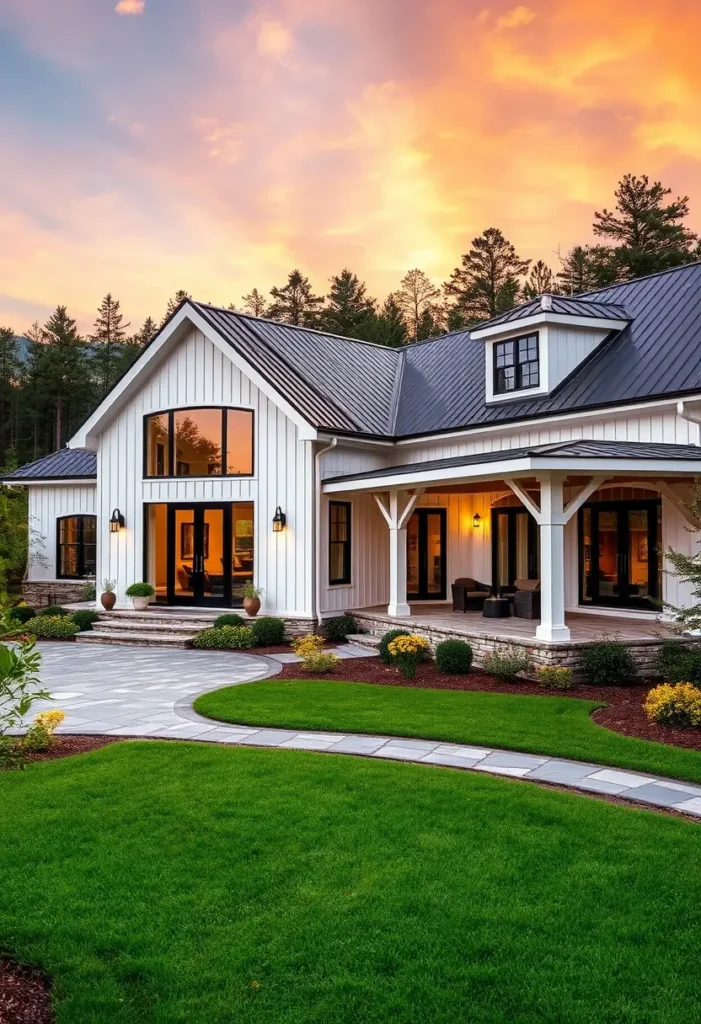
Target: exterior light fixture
[
  {"x": 279, "y": 520},
  {"x": 116, "y": 522},
  {"x": 476, "y": 520}
]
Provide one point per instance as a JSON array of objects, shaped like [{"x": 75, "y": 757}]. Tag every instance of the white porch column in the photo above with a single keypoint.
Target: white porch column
[
  {"x": 552, "y": 559},
  {"x": 397, "y": 518}
]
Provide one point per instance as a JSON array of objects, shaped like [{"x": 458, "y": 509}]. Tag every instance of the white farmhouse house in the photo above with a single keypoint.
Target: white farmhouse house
[{"x": 548, "y": 452}]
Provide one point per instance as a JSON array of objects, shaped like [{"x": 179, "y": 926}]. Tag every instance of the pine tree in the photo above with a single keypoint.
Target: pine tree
[
  {"x": 147, "y": 331},
  {"x": 389, "y": 327},
  {"x": 588, "y": 267},
  {"x": 487, "y": 281},
  {"x": 108, "y": 343},
  {"x": 349, "y": 311},
  {"x": 416, "y": 295},
  {"x": 431, "y": 323},
  {"x": 647, "y": 234},
  {"x": 540, "y": 281},
  {"x": 295, "y": 303},
  {"x": 11, "y": 374},
  {"x": 173, "y": 303},
  {"x": 255, "y": 303}
]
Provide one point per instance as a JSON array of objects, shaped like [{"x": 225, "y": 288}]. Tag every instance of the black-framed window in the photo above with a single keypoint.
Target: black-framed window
[
  {"x": 76, "y": 539},
  {"x": 199, "y": 441},
  {"x": 339, "y": 542},
  {"x": 516, "y": 364}
]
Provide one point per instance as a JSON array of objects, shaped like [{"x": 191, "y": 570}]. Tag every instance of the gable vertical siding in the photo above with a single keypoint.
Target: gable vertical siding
[{"x": 47, "y": 504}]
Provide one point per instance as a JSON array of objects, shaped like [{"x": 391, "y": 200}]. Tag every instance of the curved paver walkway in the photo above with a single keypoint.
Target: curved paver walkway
[{"x": 131, "y": 691}]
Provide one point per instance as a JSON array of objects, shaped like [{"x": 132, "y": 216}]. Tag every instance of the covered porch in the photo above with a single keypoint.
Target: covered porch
[{"x": 551, "y": 483}]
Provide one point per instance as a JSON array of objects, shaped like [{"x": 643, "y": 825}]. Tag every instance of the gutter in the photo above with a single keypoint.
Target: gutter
[
  {"x": 317, "y": 527},
  {"x": 692, "y": 415}
]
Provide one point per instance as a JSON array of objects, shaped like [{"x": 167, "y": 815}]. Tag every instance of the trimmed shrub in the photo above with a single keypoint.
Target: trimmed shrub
[
  {"x": 312, "y": 643},
  {"x": 57, "y": 627},
  {"x": 268, "y": 631},
  {"x": 608, "y": 663},
  {"x": 140, "y": 590},
  {"x": 84, "y": 619},
  {"x": 386, "y": 640},
  {"x": 52, "y": 610},
  {"x": 506, "y": 664},
  {"x": 679, "y": 664},
  {"x": 551, "y": 678},
  {"x": 21, "y": 613},
  {"x": 229, "y": 619},
  {"x": 233, "y": 638},
  {"x": 454, "y": 657},
  {"x": 678, "y": 705},
  {"x": 338, "y": 628},
  {"x": 321, "y": 663},
  {"x": 407, "y": 652}
]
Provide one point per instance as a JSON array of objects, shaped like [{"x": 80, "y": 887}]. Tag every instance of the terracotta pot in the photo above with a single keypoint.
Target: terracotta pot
[
  {"x": 108, "y": 600},
  {"x": 140, "y": 603},
  {"x": 251, "y": 605}
]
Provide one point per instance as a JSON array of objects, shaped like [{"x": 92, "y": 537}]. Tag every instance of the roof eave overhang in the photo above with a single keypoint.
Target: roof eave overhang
[
  {"x": 546, "y": 318},
  {"x": 37, "y": 481}
]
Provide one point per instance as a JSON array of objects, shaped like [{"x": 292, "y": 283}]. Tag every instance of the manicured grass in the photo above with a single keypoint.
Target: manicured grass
[
  {"x": 168, "y": 883},
  {"x": 560, "y": 726}
]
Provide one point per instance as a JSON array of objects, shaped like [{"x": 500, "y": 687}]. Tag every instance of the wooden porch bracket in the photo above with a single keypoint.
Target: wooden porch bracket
[
  {"x": 586, "y": 492},
  {"x": 525, "y": 499},
  {"x": 668, "y": 492},
  {"x": 392, "y": 516}
]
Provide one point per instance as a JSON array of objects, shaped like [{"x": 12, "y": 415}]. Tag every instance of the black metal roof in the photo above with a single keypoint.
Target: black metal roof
[
  {"x": 560, "y": 450},
  {"x": 68, "y": 463},
  {"x": 561, "y": 305}
]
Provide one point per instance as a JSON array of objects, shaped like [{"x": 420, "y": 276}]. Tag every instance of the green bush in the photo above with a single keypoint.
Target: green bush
[
  {"x": 89, "y": 591},
  {"x": 608, "y": 663},
  {"x": 506, "y": 664},
  {"x": 21, "y": 613},
  {"x": 84, "y": 619},
  {"x": 552, "y": 678},
  {"x": 233, "y": 638},
  {"x": 36, "y": 740},
  {"x": 57, "y": 627},
  {"x": 454, "y": 657},
  {"x": 52, "y": 610},
  {"x": 229, "y": 619},
  {"x": 338, "y": 628},
  {"x": 383, "y": 646},
  {"x": 140, "y": 590},
  {"x": 321, "y": 663},
  {"x": 268, "y": 631},
  {"x": 679, "y": 664}
]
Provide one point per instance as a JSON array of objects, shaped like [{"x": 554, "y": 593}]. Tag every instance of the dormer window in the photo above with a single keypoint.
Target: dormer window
[{"x": 516, "y": 364}]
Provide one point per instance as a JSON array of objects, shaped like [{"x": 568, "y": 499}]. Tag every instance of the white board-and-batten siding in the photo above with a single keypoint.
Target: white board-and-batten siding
[
  {"x": 197, "y": 373},
  {"x": 47, "y": 504}
]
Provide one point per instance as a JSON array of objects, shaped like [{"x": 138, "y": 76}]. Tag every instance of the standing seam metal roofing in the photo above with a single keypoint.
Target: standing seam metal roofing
[
  {"x": 68, "y": 463},
  {"x": 561, "y": 305}
]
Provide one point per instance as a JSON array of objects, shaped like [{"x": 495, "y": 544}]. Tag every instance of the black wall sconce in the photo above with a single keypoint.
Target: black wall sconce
[
  {"x": 116, "y": 522},
  {"x": 279, "y": 520},
  {"x": 476, "y": 520}
]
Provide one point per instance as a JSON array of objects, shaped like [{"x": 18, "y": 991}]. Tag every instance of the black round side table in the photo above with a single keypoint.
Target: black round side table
[{"x": 496, "y": 608}]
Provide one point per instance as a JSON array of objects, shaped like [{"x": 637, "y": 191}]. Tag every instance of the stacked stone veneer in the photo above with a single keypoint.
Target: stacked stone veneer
[
  {"x": 559, "y": 655},
  {"x": 45, "y": 592}
]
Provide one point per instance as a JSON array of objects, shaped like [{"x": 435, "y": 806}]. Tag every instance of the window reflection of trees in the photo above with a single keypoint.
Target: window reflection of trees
[{"x": 191, "y": 446}]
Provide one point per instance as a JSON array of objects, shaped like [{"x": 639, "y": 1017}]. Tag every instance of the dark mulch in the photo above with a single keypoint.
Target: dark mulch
[
  {"x": 623, "y": 713},
  {"x": 66, "y": 746},
  {"x": 25, "y": 995}
]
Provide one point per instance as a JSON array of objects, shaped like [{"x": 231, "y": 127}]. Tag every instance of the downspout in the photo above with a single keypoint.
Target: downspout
[{"x": 317, "y": 527}]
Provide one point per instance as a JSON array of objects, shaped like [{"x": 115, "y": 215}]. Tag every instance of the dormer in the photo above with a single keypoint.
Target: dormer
[{"x": 533, "y": 348}]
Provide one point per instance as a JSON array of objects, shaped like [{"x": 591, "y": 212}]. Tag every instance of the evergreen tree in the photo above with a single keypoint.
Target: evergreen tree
[
  {"x": 588, "y": 267},
  {"x": 647, "y": 232},
  {"x": 255, "y": 303},
  {"x": 540, "y": 280},
  {"x": 349, "y": 311},
  {"x": 108, "y": 343},
  {"x": 416, "y": 295},
  {"x": 13, "y": 530},
  {"x": 147, "y": 331},
  {"x": 11, "y": 374},
  {"x": 487, "y": 281},
  {"x": 295, "y": 303},
  {"x": 389, "y": 327},
  {"x": 431, "y": 323},
  {"x": 173, "y": 303}
]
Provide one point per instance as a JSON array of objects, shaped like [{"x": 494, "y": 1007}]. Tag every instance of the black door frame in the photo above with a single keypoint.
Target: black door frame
[
  {"x": 653, "y": 507},
  {"x": 422, "y": 515},
  {"x": 512, "y": 512},
  {"x": 199, "y": 597}
]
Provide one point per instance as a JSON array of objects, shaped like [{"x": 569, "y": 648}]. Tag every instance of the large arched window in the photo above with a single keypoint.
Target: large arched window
[
  {"x": 76, "y": 550},
  {"x": 199, "y": 442}
]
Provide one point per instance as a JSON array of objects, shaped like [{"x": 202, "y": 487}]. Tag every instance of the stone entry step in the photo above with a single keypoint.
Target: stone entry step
[
  {"x": 364, "y": 639},
  {"x": 134, "y": 638}
]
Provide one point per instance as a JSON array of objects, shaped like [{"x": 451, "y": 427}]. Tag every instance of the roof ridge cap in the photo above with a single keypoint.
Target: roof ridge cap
[{"x": 397, "y": 391}]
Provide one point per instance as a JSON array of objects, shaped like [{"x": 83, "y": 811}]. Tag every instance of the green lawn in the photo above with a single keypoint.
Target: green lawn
[
  {"x": 169, "y": 883},
  {"x": 560, "y": 726}
]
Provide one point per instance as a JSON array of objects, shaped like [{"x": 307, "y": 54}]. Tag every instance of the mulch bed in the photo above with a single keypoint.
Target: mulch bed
[
  {"x": 623, "y": 713},
  {"x": 66, "y": 746},
  {"x": 25, "y": 995}
]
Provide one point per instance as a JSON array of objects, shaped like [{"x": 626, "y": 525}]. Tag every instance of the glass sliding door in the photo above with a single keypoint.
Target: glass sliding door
[
  {"x": 619, "y": 553},
  {"x": 515, "y": 547},
  {"x": 426, "y": 555}
]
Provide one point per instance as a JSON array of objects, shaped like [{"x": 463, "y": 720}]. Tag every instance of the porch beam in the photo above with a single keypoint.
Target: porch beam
[
  {"x": 586, "y": 492},
  {"x": 524, "y": 498},
  {"x": 668, "y": 492}
]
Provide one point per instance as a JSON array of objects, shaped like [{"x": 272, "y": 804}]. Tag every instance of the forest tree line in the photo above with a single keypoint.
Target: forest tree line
[{"x": 50, "y": 382}]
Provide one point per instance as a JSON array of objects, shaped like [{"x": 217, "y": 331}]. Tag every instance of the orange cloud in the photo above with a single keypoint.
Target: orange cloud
[
  {"x": 130, "y": 7},
  {"x": 519, "y": 16}
]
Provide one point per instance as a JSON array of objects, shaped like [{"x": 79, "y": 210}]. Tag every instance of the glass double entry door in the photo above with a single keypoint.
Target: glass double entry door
[
  {"x": 619, "y": 553},
  {"x": 199, "y": 554},
  {"x": 426, "y": 555},
  {"x": 515, "y": 547}
]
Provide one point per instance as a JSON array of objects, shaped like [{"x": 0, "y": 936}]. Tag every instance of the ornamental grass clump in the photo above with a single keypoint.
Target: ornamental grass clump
[
  {"x": 678, "y": 705},
  {"x": 454, "y": 657},
  {"x": 224, "y": 638},
  {"x": 552, "y": 678},
  {"x": 407, "y": 653}
]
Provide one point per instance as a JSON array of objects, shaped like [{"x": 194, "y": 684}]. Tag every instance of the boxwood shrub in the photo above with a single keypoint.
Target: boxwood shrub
[
  {"x": 21, "y": 613},
  {"x": 234, "y": 638},
  {"x": 229, "y": 619},
  {"x": 608, "y": 663},
  {"x": 52, "y": 610},
  {"x": 679, "y": 664},
  {"x": 268, "y": 631},
  {"x": 58, "y": 627},
  {"x": 84, "y": 619},
  {"x": 338, "y": 628},
  {"x": 454, "y": 657},
  {"x": 387, "y": 638}
]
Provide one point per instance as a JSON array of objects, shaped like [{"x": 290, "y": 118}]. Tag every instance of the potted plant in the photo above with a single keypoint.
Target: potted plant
[
  {"x": 108, "y": 598},
  {"x": 251, "y": 597},
  {"x": 140, "y": 594}
]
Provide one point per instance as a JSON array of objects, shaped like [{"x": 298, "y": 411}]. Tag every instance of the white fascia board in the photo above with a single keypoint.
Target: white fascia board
[
  {"x": 68, "y": 481},
  {"x": 130, "y": 383},
  {"x": 613, "y": 467},
  {"x": 516, "y": 327}
]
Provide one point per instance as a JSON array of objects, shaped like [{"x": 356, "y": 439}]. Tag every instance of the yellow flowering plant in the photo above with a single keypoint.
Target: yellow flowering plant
[
  {"x": 306, "y": 645},
  {"x": 407, "y": 652},
  {"x": 49, "y": 720},
  {"x": 678, "y": 705}
]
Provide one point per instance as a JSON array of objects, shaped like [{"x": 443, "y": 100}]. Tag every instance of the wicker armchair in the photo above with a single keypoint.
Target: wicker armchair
[{"x": 469, "y": 595}]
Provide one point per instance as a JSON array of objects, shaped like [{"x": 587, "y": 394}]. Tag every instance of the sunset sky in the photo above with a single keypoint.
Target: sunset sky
[{"x": 213, "y": 145}]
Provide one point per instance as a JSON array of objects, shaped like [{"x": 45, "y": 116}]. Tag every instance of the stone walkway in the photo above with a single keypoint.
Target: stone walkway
[{"x": 129, "y": 691}]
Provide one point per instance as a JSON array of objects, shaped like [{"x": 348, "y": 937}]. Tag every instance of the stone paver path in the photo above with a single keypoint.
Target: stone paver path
[{"x": 132, "y": 691}]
